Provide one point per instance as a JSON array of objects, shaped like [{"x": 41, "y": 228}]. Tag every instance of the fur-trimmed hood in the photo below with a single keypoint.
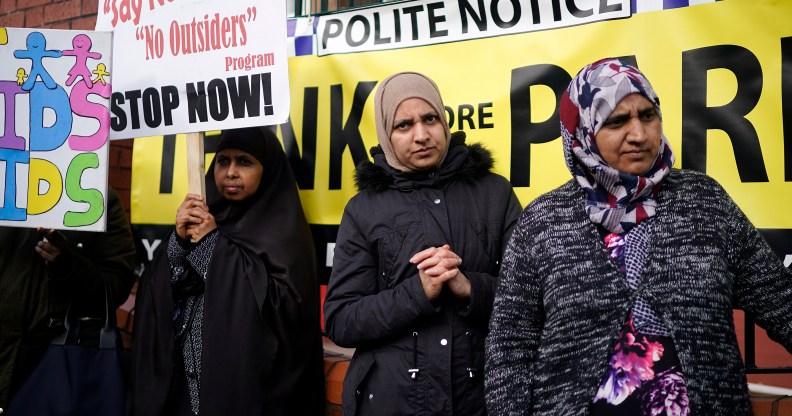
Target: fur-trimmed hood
[{"x": 463, "y": 162}]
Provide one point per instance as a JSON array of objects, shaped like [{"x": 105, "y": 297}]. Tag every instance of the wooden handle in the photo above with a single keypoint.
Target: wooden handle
[{"x": 196, "y": 164}]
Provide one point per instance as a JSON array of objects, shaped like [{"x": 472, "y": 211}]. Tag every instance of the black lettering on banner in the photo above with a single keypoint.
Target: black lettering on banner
[
  {"x": 154, "y": 102},
  {"x": 170, "y": 101},
  {"x": 304, "y": 167},
  {"x": 244, "y": 99},
  {"x": 245, "y": 96},
  {"x": 349, "y": 135},
  {"x": 378, "y": 39},
  {"x": 413, "y": 12},
  {"x": 333, "y": 28},
  {"x": 607, "y": 8},
  {"x": 483, "y": 115},
  {"x": 504, "y": 24},
  {"x": 556, "y": 10},
  {"x": 572, "y": 7},
  {"x": 169, "y": 156},
  {"x": 152, "y": 114},
  {"x": 466, "y": 114},
  {"x": 786, "y": 105},
  {"x": 196, "y": 102},
  {"x": 351, "y": 25},
  {"x": 166, "y": 165},
  {"x": 397, "y": 25},
  {"x": 449, "y": 116},
  {"x": 210, "y": 142},
  {"x": 697, "y": 118},
  {"x": 133, "y": 97},
  {"x": 524, "y": 131},
  {"x": 535, "y": 13},
  {"x": 629, "y": 59},
  {"x": 479, "y": 19},
  {"x": 266, "y": 89},
  {"x": 119, "y": 120},
  {"x": 434, "y": 20},
  {"x": 218, "y": 100}
]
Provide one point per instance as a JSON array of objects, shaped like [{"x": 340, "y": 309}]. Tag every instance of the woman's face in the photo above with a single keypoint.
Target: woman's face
[
  {"x": 418, "y": 136},
  {"x": 237, "y": 174},
  {"x": 629, "y": 139}
]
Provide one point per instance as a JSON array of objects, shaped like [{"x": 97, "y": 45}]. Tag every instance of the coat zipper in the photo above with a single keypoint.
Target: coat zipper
[
  {"x": 471, "y": 370},
  {"x": 413, "y": 371}
]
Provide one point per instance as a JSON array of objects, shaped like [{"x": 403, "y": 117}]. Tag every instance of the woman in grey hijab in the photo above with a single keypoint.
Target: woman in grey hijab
[{"x": 416, "y": 261}]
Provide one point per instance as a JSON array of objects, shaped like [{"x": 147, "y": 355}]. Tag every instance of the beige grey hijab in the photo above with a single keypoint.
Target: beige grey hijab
[{"x": 390, "y": 93}]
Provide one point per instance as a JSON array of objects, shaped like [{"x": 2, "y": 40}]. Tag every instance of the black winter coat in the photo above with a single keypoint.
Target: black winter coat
[
  {"x": 413, "y": 356},
  {"x": 34, "y": 296}
]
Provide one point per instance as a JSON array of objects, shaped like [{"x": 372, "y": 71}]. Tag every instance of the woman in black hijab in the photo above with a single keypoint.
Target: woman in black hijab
[{"x": 229, "y": 324}]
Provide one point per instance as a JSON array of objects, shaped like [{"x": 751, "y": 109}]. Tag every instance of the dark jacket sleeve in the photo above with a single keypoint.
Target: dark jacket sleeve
[
  {"x": 763, "y": 286},
  {"x": 515, "y": 328},
  {"x": 357, "y": 312},
  {"x": 482, "y": 285},
  {"x": 93, "y": 256}
]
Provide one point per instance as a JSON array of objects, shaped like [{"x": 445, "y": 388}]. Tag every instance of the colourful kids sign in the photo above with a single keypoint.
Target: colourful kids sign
[{"x": 55, "y": 89}]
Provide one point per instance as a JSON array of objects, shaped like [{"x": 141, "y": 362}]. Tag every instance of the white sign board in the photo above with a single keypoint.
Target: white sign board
[
  {"x": 196, "y": 65},
  {"x": 430, "y": 22},
  {"x": 55, "y": 90}
]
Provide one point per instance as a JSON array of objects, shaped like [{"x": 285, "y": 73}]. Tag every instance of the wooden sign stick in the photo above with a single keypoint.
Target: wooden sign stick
[{"x": 196, "y": 164}]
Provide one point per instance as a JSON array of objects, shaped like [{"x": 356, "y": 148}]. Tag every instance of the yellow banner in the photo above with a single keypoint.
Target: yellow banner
[{"x": 722, "y": 70}]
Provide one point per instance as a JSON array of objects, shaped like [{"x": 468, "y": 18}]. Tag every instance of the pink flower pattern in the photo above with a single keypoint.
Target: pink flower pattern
[{"x": 631, "y": 370}]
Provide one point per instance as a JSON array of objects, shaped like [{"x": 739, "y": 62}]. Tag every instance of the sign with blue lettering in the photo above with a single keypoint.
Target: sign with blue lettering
[{"x": 55, "y": 88}]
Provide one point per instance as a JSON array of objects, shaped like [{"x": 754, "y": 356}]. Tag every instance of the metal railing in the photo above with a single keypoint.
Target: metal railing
[{"x": 299, "y": 8}]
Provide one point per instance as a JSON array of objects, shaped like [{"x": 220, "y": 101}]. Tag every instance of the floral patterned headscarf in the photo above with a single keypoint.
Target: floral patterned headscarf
[{"x": 615, "y": 200}]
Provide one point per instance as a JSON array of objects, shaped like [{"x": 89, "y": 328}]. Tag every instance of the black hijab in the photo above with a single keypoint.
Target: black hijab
[
  {"x": 269, "y": 225},
  {"x": 255, "y": 222}
]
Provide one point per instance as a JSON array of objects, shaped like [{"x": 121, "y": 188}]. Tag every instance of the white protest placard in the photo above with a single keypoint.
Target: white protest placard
[
  {"x": 196, "y": 65},
  {"x": 55, "y": 90}
]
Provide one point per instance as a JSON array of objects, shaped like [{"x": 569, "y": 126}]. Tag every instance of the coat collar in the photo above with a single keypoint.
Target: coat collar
[{"x": 464, "y": 162}]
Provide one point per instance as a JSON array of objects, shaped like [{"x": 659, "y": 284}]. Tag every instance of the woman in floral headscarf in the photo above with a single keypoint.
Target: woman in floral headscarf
[{"x": 617, "y": 288}]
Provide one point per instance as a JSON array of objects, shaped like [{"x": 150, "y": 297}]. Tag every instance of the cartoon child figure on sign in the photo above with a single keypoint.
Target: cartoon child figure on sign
[
  {"x": 20, "y": 76},
  {"x": 82, "y": 51},
  {"x": 36, "y": 51},
  {"x": 100, "y": 72}
]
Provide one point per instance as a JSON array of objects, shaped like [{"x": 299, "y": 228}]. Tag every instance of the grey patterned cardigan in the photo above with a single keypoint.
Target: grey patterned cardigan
[{"x": 561, "y": 301}]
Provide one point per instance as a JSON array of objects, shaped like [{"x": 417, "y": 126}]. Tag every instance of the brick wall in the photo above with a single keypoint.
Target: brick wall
[
  {"x": 76, "y": 15},
  {"x": 48, "y": 14}
]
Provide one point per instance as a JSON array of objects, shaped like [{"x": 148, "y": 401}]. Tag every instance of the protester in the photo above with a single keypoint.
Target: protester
[
  {"x": 617, "y": 288},
  {"x": 42, "y": 272},
  {"x": 227, "y": 320},
  {"x": 416, "y": 261}
]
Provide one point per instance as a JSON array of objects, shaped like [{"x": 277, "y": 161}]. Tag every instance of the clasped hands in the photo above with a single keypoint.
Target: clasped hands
[
  {"x": 438, "y": 267},
  {"x": 193, "y": 219}
]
